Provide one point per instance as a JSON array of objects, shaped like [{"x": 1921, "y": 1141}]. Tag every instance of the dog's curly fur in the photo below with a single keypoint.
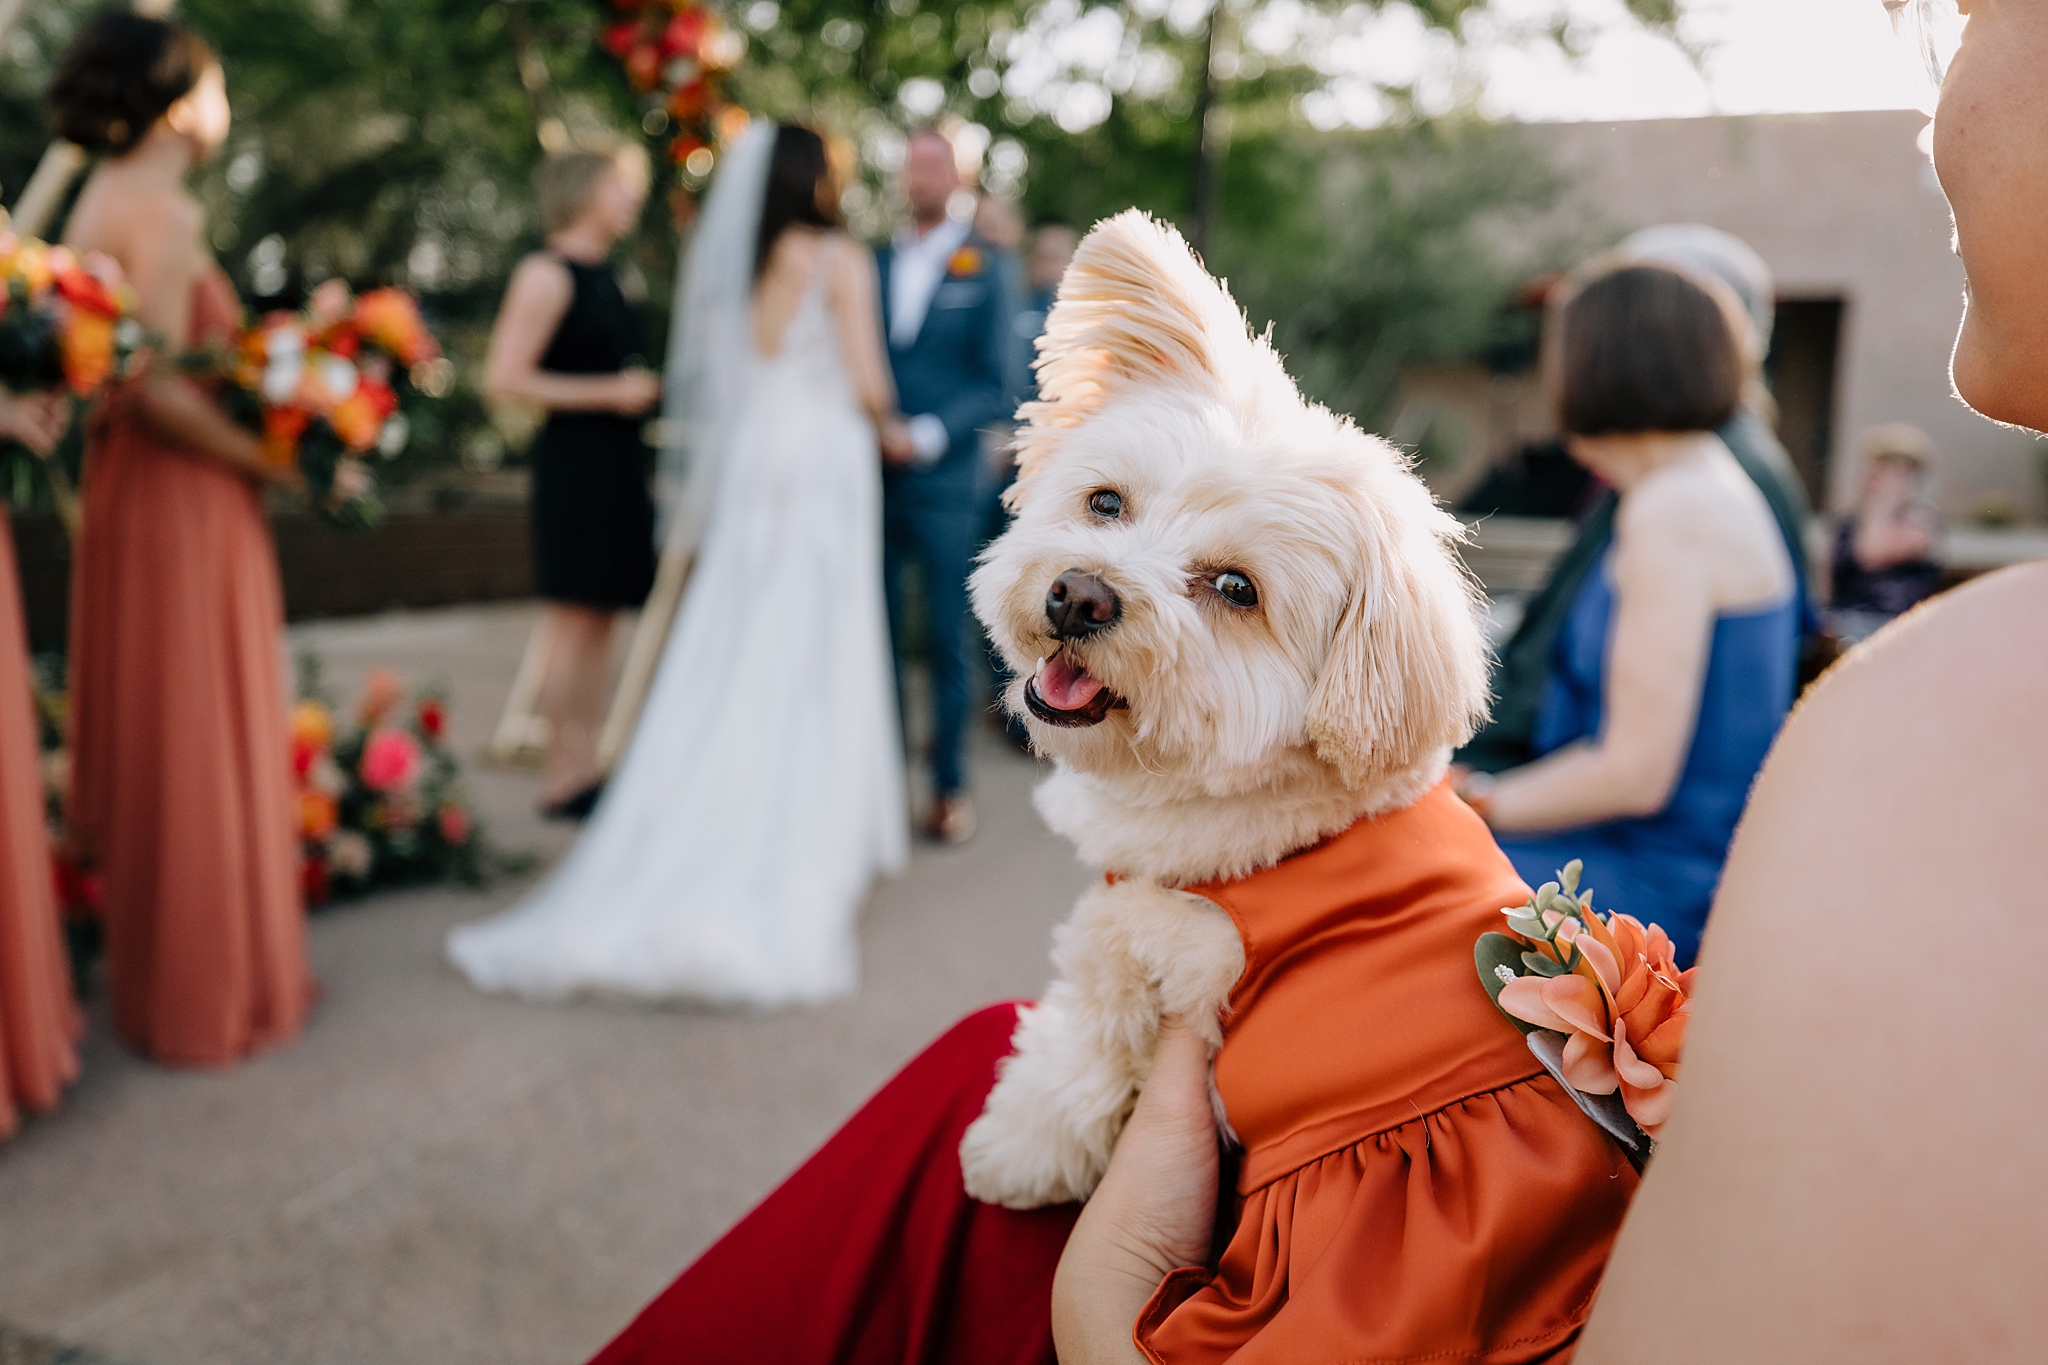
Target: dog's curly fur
[{"x": 1245, "y": 733}]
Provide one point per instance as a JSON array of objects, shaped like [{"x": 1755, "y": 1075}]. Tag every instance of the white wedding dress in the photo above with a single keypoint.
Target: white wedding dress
[{"x": 763, "y": 788}]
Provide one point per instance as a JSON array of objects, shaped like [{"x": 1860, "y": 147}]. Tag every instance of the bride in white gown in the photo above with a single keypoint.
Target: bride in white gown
[{"x": 763, "y": 788}]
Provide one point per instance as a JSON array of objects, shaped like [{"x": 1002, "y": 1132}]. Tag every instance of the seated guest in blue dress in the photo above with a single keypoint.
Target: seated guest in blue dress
[{"x": 1676, "y": 661}]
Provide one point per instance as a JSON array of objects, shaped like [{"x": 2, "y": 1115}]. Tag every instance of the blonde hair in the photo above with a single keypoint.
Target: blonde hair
[
  {"x": 566, "y": 181},
  {"x": 1898, "y": 441}
]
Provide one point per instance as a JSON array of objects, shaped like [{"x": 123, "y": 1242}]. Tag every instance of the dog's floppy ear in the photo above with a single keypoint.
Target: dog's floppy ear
[
  {"x": 1406, "y": 672},
  {"x": 1135, "y": 307}
]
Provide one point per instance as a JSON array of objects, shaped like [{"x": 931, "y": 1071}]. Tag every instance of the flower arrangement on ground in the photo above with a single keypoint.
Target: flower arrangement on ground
[
  {"x": 322, "y": 387},
  {"x": 380, "y": 795},
  {"x": 1601, "y": 1000},
  {"x": 677, "y": 54},
  {"x": 65, "y": 325}
]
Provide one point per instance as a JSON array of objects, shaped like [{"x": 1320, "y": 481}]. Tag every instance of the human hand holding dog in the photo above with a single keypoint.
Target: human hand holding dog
[{"x": 1152, "y": 1214}]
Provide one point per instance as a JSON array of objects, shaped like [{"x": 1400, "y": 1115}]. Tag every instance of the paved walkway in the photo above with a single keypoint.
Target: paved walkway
[{"x": 433, "y": 1176}]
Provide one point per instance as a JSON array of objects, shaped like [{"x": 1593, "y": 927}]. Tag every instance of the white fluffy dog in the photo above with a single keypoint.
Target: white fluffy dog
[{"x": 1239, "y": 626}]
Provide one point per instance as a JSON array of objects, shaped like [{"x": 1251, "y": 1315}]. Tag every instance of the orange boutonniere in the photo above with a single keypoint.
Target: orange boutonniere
[
  {"x": 966, "y": 261},
  {"x": 1602, "y": 1002}
]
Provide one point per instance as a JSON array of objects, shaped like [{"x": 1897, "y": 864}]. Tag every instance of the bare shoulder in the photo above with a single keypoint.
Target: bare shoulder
[
  {"x": 1691, "y": 497},
  {"x": 851, "y": 265},
  {"x": 1867, "y": 1020},
  {"x": 132, "y": 220},
  {"x": 540, "y": 276}
]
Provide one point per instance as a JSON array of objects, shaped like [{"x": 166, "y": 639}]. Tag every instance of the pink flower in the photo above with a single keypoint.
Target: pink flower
[
  {"x": 391, "y": 760},
  {"x": 454, "y": 824}
]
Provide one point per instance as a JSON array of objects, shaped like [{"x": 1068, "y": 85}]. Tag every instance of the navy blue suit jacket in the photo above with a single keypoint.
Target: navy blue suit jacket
[{"x": 959, "y": 369}]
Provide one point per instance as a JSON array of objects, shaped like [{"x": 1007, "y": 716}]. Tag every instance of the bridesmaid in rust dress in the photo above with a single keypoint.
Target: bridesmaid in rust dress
[
  {"x": 182, "y": 785},
  {"x": 39, "y": 1022}
]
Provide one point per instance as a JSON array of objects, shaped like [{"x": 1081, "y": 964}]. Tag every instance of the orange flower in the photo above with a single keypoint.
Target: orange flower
[
  {"x": 381, "y": 692},
  {"x": 282, "y": 427},
  {"x": 966, "y": 261},
  {"x": 317, "y": 815},
  {"x": 390, "y": 319},
  {"x": 313, "y": 724},
  {"x": 1622, "y": 1004},
  {"x": 358, "y": 418},
  {"x": 88, "y": 346}
]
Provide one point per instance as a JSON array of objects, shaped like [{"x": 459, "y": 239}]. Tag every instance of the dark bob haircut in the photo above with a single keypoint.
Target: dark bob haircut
[
  {"x": 120, "y": 75},
  {"x": 1643, "y": 348}
]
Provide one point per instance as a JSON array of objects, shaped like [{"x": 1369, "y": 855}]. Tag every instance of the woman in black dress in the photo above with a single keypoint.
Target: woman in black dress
[{"x": 567, "y": 340}]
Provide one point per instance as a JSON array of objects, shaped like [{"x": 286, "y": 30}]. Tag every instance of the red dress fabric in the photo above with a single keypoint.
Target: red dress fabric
[
  {"x": 39, "y": 1021},
  {"x": 182, "y": 769},
  {"x": 873, "y": 1253}
]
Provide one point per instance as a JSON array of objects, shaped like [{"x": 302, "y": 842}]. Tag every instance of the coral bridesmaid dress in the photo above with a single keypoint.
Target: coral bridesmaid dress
[
  {"x": 1413, "y": 1186},
  {"x": 182, "y": 786},
  {"x": 39, "y": 1022}
]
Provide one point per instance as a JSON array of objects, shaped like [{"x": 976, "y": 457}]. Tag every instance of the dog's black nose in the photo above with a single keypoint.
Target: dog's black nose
[{"x": 1080, "y": 604}]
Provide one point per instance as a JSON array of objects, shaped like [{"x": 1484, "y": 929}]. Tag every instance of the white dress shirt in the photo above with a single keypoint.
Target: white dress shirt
[{"x": 917, "y": 267}]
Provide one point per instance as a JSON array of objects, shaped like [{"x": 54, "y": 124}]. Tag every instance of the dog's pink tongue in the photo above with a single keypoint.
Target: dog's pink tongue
[{"x": 1065, "y": 685}]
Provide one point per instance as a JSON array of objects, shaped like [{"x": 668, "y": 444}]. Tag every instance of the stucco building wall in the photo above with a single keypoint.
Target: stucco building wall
[{"x": 1843, "y": 206}]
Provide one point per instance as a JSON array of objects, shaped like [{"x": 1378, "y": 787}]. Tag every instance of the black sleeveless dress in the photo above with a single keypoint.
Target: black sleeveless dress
[{"x": 593, "y": 520}]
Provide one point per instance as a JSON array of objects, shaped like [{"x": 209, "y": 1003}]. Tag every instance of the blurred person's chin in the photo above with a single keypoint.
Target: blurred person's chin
[{"x": 1991, "y": 153}]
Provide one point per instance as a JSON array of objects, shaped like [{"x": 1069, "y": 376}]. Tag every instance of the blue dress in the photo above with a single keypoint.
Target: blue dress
[{"x": 1663, "y": 868}]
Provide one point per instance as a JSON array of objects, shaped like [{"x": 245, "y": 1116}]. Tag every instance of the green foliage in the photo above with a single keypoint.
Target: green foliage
[
  {"x": 392, "y": 141},
  {"x": 1371, "y": 252}
]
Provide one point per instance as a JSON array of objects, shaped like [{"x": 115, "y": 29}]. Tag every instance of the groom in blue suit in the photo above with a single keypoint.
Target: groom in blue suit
[{"x": 946, "y": 307}]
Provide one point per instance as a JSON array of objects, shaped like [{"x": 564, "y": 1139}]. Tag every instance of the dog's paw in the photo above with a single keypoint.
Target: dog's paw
[
  {"x": 1046, "y": 1132},
  {"x": 1136, "y": 950}
]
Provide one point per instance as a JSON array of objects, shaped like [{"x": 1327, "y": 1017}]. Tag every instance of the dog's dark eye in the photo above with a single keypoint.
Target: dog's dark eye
[
  {"x": 1106, "y": 503},
  {"x": 1234, "y": 588}
]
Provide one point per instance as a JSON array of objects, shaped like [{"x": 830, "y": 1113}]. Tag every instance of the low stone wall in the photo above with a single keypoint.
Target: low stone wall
[{"x": 415, "y": 559}]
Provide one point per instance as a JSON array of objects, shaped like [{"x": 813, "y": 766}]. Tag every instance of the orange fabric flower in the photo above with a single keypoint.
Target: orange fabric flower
[
  {"x": 965, "y": 261},
  {"x": 1622, "y": 1007}
]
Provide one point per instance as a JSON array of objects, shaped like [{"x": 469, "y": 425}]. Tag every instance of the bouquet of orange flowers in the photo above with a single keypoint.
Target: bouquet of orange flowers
[
  {"x": 65, "y": 325},
  {"x": 677, "y": 53},
  {"x": 1601, "y": 1001},
  {"x": 322, "y": 389}
]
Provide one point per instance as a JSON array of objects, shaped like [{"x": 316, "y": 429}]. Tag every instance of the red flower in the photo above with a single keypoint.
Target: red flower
[
  {"x": 683, "y": 33},
  {"x": 454, "y": 821},
  {"x": 643, "y": 67},
  {"x": 313, "y": 880},
  {"x": 433, "y": 718},
  {"x": 620, "y": 39},
  {"x": 303, "y": 753},
  {"x": 82, "y": 289},
  {"x": 341, "y": 340},
  {"x": 688, "y": 101},
  {"x": 78, "y": 891}
]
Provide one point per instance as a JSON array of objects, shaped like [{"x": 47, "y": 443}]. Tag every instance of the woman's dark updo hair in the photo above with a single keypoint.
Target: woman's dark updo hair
[
  {"x": 797, "y": 173},
  {"x": 121, "y": 74}
]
